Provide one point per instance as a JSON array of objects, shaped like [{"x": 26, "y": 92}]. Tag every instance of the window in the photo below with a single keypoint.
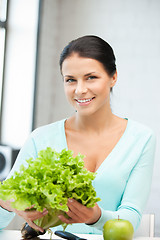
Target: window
[
  {"x": 3, "y": 21},
  {"x": 18, "y": 79}
]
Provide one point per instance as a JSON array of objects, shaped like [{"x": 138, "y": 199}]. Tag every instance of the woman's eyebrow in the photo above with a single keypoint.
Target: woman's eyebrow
[
  {"x": 68, "y": 76},
  {"x": 89, "y": 74}
]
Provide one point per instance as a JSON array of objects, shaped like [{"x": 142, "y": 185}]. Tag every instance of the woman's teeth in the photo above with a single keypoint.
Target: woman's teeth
[{"x": 84, "y": 100}]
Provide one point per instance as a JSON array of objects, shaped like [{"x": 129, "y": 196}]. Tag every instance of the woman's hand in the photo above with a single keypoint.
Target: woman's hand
[
  {"x": 79, "y": 213},
  {"x": 29, "y": 216}
]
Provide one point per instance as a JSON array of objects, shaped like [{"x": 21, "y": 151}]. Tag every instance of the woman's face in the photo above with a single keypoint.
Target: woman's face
[{"x": 86, "y": 83}]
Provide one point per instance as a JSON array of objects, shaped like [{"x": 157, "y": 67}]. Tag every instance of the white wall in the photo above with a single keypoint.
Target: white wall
[{"x": 132, "y": 29}]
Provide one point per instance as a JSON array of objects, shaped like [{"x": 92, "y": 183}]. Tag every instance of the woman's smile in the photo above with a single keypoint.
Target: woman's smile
[{"x": 84, "y": 101}]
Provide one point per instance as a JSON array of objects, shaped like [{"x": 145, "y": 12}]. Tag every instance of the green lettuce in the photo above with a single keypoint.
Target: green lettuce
[{"x": 47, "y": 182}]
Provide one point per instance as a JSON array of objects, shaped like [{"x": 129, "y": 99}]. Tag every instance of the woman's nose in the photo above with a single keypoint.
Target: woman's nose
[{"x": 81, "y": 88}]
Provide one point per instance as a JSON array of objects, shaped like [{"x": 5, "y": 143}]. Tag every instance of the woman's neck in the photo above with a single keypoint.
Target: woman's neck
[{"x": 94, "y": 123}]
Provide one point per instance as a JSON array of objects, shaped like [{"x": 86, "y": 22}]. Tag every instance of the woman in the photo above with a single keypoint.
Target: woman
[{"x": 119, "y": 150}]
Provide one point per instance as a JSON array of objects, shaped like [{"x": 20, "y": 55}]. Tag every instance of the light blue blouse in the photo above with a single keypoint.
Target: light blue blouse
[{"x": 122, "y": 182}]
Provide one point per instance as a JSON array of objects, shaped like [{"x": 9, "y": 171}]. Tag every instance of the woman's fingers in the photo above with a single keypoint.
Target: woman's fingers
[
  {"x": 29, "y": 216},
  {"x": 34, "y": 226},
  {"x": 76, "y": 205},
  {"x": 7, "y": 204},
  {"x": 30, "y": 207},
  {"x": 66, "y": 220},
  {"x": 32, "y": 215},
  {"x": 78, "y": 213},
  {"x": 79, "y": 210}
]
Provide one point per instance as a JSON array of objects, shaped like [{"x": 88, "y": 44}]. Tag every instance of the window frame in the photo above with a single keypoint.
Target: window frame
[{"x": 3, "y": 25}]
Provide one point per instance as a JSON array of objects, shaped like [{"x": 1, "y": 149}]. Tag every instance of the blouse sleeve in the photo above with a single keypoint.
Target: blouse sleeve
[
  {"x": 27, "y": 151},
  {"x": 136, "y": 191}
]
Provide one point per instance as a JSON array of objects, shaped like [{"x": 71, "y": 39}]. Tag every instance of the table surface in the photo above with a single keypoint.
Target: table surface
[{"x": 16, "y": 235}]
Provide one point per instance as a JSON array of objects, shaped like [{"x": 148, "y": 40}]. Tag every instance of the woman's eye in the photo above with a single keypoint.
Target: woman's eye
[
  {"x": 92, "y": 77},
  {"x": 70, "y": 80}
]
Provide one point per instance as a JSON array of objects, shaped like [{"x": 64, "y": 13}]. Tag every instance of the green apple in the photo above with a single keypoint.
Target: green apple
[{"x": 118, "y": 229}]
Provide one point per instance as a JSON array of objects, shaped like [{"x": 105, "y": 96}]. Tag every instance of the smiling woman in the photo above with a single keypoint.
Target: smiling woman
[{"x": 119, "y": 150}]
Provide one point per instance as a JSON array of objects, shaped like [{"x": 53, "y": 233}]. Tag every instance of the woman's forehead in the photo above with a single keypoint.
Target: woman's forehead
[{"x": 76, "y": 63}]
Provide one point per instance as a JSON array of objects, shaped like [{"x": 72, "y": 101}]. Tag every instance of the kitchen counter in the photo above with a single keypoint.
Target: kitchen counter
[{"x": 16, "y": 235}]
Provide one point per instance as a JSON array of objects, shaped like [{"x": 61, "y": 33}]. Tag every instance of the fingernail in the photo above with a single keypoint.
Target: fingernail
[{"x": 45, "y": 213}]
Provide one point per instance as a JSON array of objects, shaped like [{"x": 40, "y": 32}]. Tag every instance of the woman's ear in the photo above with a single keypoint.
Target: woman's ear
[{"x": 114, "y": 79}]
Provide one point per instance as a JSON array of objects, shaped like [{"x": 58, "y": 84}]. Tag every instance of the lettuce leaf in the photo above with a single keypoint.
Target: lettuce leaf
[{"x": 47, "y": 182}]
